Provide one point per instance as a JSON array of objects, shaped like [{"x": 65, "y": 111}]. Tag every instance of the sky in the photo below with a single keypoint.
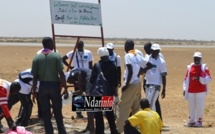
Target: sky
[{"x": 156, "y": 19}]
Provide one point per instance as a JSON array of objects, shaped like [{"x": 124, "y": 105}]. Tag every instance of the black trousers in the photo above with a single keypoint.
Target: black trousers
[
  {"x": 25, "y": 109},
  {"x": 128, "y": 129},
  {"x": 157, "y": 103},
  {"x": 100, "y": 122},
  {"x": 50, "y": 92}
]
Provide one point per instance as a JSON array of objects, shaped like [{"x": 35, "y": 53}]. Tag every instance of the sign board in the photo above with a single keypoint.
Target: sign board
[{"x": 77, "y": 13}]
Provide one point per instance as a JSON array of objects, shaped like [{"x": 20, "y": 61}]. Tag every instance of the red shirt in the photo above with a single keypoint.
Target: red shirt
[{"x": 194, "y": 85}]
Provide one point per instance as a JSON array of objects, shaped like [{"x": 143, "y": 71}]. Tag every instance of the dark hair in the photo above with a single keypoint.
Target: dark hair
[
  {"x": 144, "y": 103},
  {"x": 147, "y": 46},
  {"x": 129, "y": 43},
  {"x": 81, "y": 43},
  {"x": 15, "y": 87},
  {"x": 48, "y": 42}
]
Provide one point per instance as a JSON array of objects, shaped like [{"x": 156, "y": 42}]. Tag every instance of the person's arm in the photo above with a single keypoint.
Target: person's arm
[
  {"x": 34, "y": 87},
  {"x": 5, "y": 109},
  {"x": 63, "y": 82},
  {"x": 144, "y": 70},
  {"x": 130, "y": 73},
  {"x": 64, "y": 58},
  {"x": 91, "y": 65},
  {"x": 80, "y": 84},
  {"x": 163, "y": 93},
  {"x": 119, "y": 76}
]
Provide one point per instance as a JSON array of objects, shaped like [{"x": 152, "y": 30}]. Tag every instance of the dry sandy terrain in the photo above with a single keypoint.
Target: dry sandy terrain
[{"x": 174, "y": 108}]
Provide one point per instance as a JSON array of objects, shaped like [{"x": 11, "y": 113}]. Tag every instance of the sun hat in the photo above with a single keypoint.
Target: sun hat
[
  {"x": 197, "y": 54},
  {"x": 102, "y": 51},
  {"x": 155, "y": 47},
  {"x": 110, "y": 46}
]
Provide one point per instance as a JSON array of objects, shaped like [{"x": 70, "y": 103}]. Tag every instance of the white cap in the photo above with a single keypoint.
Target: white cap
[
  {"x": 197, "y": 54},
  {"x": 155, "y": 47},
  {"x": 110, "y": 46},
  {"x": 102, "y": 51}
]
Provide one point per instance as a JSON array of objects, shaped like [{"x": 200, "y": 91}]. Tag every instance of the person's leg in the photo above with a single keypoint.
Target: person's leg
[
  {"x": 46, "y": 107},
  {"x": 192, "y": 107},
  {"x": 27, "y": 108},
  {"x": 57, "y": 108},
  {"x": 125, "y": 105},
  {"x": 137, "y": 96},
  {"x": 99, "y": 123},
  {"x": 78, "y": 114},
  {"x": 152, "y": 95},
  {"x": 111, "y": 121},
  {"x": 39, "y": 110},
  {"x": 200, "y": 107},
  {"x": 128, "y": 129},
  {"x": 158, "y": 108},
  {"x": 90, "y": 121}
]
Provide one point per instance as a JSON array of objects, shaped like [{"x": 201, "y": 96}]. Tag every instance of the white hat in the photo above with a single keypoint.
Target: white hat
[
  {"x": 155, "y": 47},
  {"x": 110, "y": 46},
  {"x": 102, "y": 51},
  {"x": 197, "y": 54}
]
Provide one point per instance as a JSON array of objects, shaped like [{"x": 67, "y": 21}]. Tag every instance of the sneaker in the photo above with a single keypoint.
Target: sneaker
[{"x": 198, "y": 124}]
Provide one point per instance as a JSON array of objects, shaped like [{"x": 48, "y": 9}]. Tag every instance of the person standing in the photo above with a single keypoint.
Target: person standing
[
  {"x": 110, "y": 73},
  {"x": 155, "y": 77},
  {"x": 116, "y": 60},
  {"x": 46, "y": 68},
  {"x": 131, "y": 91},
  {"x": 80, "y": 78},
  {"x": 148, "y": 121},
  {"x": 195, "y": 88},
  {"x": 83, "y": 58},
  {"x": 7, "y": 90},
  {"x": 148, "y": 51}
]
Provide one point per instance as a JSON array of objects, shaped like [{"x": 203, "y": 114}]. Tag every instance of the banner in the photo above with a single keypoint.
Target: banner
[{"x": 78, "y": 13}]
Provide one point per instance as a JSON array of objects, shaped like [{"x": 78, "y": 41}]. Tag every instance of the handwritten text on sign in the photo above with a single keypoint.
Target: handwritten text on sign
[{"x": 79, "y": 13}]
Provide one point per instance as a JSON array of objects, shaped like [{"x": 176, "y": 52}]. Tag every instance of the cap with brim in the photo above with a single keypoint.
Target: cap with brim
[
  {"x": 197, "y": 54},
  {"x": 110, "y": 46},
  {"x": 155, "y": 47}
]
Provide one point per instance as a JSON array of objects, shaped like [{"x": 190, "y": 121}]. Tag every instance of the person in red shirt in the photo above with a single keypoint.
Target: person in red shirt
[
  {"x": 195, "y": 88},
  {"x": 7, "y": 89}
]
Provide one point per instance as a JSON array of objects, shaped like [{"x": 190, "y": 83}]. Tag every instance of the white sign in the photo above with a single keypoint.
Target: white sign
[{"x": 79, "y": 13}]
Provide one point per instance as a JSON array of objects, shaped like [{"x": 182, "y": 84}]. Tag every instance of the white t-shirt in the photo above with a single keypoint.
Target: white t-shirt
[
  {"x": 83, "y": 58},
  {"x": 116, "y": 59},
  {"x": 136, "y": 62},
  {"x": 153, "y": 75},
  {"x": 139, "y": 52}
]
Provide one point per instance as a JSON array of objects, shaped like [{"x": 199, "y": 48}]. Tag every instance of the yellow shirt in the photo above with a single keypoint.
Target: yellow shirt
[{"x": 148, "y": 121}]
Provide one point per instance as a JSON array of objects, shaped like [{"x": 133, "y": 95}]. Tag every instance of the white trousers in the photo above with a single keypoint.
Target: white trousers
[
  {"x": 152, "y": 94},
  {"x": 196, "y": 103}
]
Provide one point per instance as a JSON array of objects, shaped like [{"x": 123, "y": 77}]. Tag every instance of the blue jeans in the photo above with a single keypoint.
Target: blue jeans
[{"x": 50, "y": 92}]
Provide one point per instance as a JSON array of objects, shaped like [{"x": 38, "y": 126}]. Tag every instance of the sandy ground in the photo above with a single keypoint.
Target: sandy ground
[{"x": 174, "y": 108}]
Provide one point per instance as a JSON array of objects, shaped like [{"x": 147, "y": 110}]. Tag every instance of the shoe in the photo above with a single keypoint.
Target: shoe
[
  {"x": 79, "y": 116},
  {"x": 190, "y": 124},
  {"x": 198, "y": 124},
  {"x": 88, "y": 132}
]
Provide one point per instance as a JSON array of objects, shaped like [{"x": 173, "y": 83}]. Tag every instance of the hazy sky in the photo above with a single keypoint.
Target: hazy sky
[{"x": 166, "y": 19}]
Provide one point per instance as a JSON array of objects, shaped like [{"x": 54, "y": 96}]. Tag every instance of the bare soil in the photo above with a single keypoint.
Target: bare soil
[{"x": 174, "y": 108}]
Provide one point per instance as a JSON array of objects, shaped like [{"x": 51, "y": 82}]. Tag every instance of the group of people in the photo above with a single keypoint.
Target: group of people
[{"x": 47, "y": 83}]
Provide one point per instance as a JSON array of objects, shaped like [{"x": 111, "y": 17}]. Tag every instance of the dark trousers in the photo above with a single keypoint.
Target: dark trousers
[
  {"x": 100, "y": 122},
  {"x": 76, "y": 89},
  {"x": 128, "y": 129},
  {"x": 50, "y": 92},
  {"x": 157, "y": 103},
  {"x": 25, "y": 109},
  {"x": 39, "y": 110}
]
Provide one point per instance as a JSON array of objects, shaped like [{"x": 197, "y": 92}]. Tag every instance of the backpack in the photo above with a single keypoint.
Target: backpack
[
  {"x": 25, "y": 77},
  {"x": 101, "y": 86}
]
